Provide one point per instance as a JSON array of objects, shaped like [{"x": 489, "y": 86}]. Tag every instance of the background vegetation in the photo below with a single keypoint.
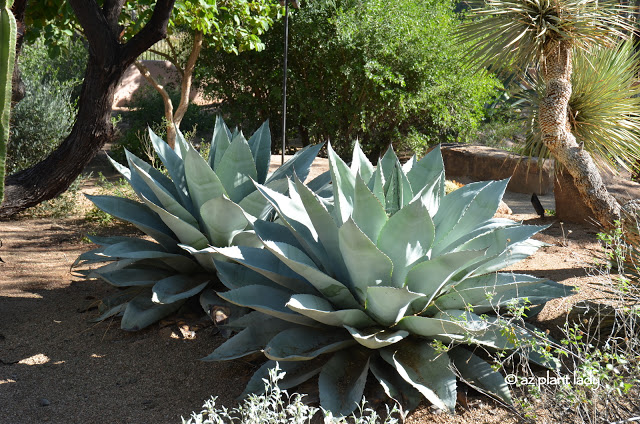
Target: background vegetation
[{"x": 381, "y": 72}]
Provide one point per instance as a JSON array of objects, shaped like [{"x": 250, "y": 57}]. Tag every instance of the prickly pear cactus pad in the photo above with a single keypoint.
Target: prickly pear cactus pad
[{"x": 391, "y": 279}]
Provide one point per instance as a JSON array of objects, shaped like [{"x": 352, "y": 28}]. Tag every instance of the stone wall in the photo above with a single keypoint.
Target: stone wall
[{"x": 466, "y": 163}]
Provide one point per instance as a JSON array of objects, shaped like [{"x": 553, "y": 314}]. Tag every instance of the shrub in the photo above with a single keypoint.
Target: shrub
[
  {"x": 276, "y": 406},
  {"x": 45, "y": 116},
  {"x": 394, "y": 278},
  {"x": 370, "y": 70}
]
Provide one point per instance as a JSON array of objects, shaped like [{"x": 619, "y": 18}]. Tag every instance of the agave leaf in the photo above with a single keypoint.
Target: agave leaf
[
  {"x": 219, "y": 142},
  {"x": 203, "y": 183},
  {"x": 108, "y": 240},
  {"x": 368, "y": 213},
  {"x": 234, "y": 275},
  {"x": 485, "y": 293},
  {"x": 268, "y": 300},
  {"x": 164, "y": 198},
  {"x": 321, "y": 183},
  {"x": 182, "y": 145},
  {"x": 260, "y": 144},
  {"x": 222, "y": 219},
  {"x": 343, "y": 182},
  {"x": 267, "y": 264},
  {"x": 246, "y": 238},
  {"x": 406, "y": 167},
  {"x": 393, "y": 194},
  {"x": 394, "y": 386},
  {"x": 113, "y": 311},
  {"x": 237, "y": 170},
  {"x": 425, "y": 369},
  {"x": 476, "y": 372},
  {"x": 388, "y": 305},
  {"x": 429, "y": 170},
  {"x": 257, "y": 206},
  {"x": 250, "y": 340},
  {"x": 185, "y": 232},
  {"x": 131, "y": 248},
  {"x": 373, "y": 338},
  {"x": 131, "y": 276},
  {"x": 174, "y": 164},
  {"x": 211, "y": 303},
  {"x": 177, "y": 287},
  {"x": 304, "y": 343},
  {"x": 432, "y": 276},
  {"x": 485, "y": 228},
  {"x": 367, "y": 266},
  {"x": 513, "y": 254},
  {"x": 138, "y": 185},
  {"x": 376, "y": 185},
  {"x": 322, "y": 311},
  {"x": 276, "y": 232},
  {"x": 296, "y": 372},
  {"x": 360, "y": 164},
  {"x": 328, "y": 236},
  {"x": 141, "y": 312},
  {"x": 406, "y": 237},
  {"x": 387, "y": 165},
  {"x": 292, "y": 212},
  {"x": 342, "y": 381},
  {"x": 299, "y": 164},
  {"x": 445, "y": 323},
  {"x": 137, "y": 214},
  {"x": 466, "y": 208},
  {"x": 431, "y": 194},
  {"x": 333, "y": 290},
  {"x": 123, "y": 170},
  {"x": 158, "y": 176}
]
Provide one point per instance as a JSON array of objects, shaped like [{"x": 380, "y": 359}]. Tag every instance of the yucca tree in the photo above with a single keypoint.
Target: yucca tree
[
  {"x": 604, "y": 107},
  {"x": 546, "y": 34}
]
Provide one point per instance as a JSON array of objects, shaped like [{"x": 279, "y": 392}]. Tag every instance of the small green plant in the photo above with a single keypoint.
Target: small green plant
[
  {"x": 277, "y": 406},
  {"x": 62, "y": 206},
  {"x": 367, "y": 283}
]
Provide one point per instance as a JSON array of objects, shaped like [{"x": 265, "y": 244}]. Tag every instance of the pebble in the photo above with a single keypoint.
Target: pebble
[{"x": 44, "y": 402}]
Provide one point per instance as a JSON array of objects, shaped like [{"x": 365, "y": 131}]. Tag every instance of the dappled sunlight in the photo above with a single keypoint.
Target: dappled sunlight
[{"x": 38, "y": 359}]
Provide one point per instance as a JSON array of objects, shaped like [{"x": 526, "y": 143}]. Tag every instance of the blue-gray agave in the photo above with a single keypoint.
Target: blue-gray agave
[
  {"x": 374, "y": 280},
  {"x": 201, "y": 203}
]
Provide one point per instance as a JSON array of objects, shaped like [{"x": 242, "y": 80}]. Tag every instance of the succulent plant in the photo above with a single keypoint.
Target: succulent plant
[
  {"x": 392, "y": 277},
  {"x": 201, "y": 203}
]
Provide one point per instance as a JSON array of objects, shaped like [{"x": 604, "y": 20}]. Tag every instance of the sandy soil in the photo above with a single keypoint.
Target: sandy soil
[{"x": 58, "y": 367}]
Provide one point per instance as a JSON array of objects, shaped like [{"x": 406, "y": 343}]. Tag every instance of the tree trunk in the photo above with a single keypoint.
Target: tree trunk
[
  {"x": 18, "y": 90},
  {"x": 186, "y": 77},
  {"x": 557, "y": 136},
  {"x": 108, "y": 59}
]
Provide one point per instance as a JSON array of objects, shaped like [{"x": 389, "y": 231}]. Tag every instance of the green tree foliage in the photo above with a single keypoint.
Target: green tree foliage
[
  {"x": 365, "y": 69},
  {"x": 41, "y": 120}
]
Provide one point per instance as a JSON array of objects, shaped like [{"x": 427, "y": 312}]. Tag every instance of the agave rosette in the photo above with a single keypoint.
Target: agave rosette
[
  {"x": 200, "y": 203},
  {"x": 369, "y": 281}
]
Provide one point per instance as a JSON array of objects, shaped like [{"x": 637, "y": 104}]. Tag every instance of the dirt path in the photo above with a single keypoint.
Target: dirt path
[{"x": 58, "y": 367}]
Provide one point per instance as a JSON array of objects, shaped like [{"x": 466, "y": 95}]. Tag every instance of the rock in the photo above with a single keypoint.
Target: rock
[
  {"x": 466, "y": 162},
  {"x": 44, "y": 402},
  {"x": 504, "y": 209}
]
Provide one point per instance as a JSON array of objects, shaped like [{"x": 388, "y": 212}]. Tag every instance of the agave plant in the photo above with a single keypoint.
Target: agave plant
[
  {"x": 379, "y": 280},
  {"x": 201, "y": 203}
]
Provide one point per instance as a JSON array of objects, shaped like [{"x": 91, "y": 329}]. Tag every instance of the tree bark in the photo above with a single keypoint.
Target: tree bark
[
  {"x": 556, "y": 135},
  {"x": 186, "y": 80},
  {"x": 108, "y": 59}
]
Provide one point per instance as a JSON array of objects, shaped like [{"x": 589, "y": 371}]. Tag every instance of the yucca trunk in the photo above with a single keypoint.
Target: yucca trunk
[{"x": 556, "y": 135}]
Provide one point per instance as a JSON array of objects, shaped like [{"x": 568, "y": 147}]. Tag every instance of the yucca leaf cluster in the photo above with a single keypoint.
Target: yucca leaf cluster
[
  {"x": 390, "y": 277},
  {"x": 195, "y": 202}
]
